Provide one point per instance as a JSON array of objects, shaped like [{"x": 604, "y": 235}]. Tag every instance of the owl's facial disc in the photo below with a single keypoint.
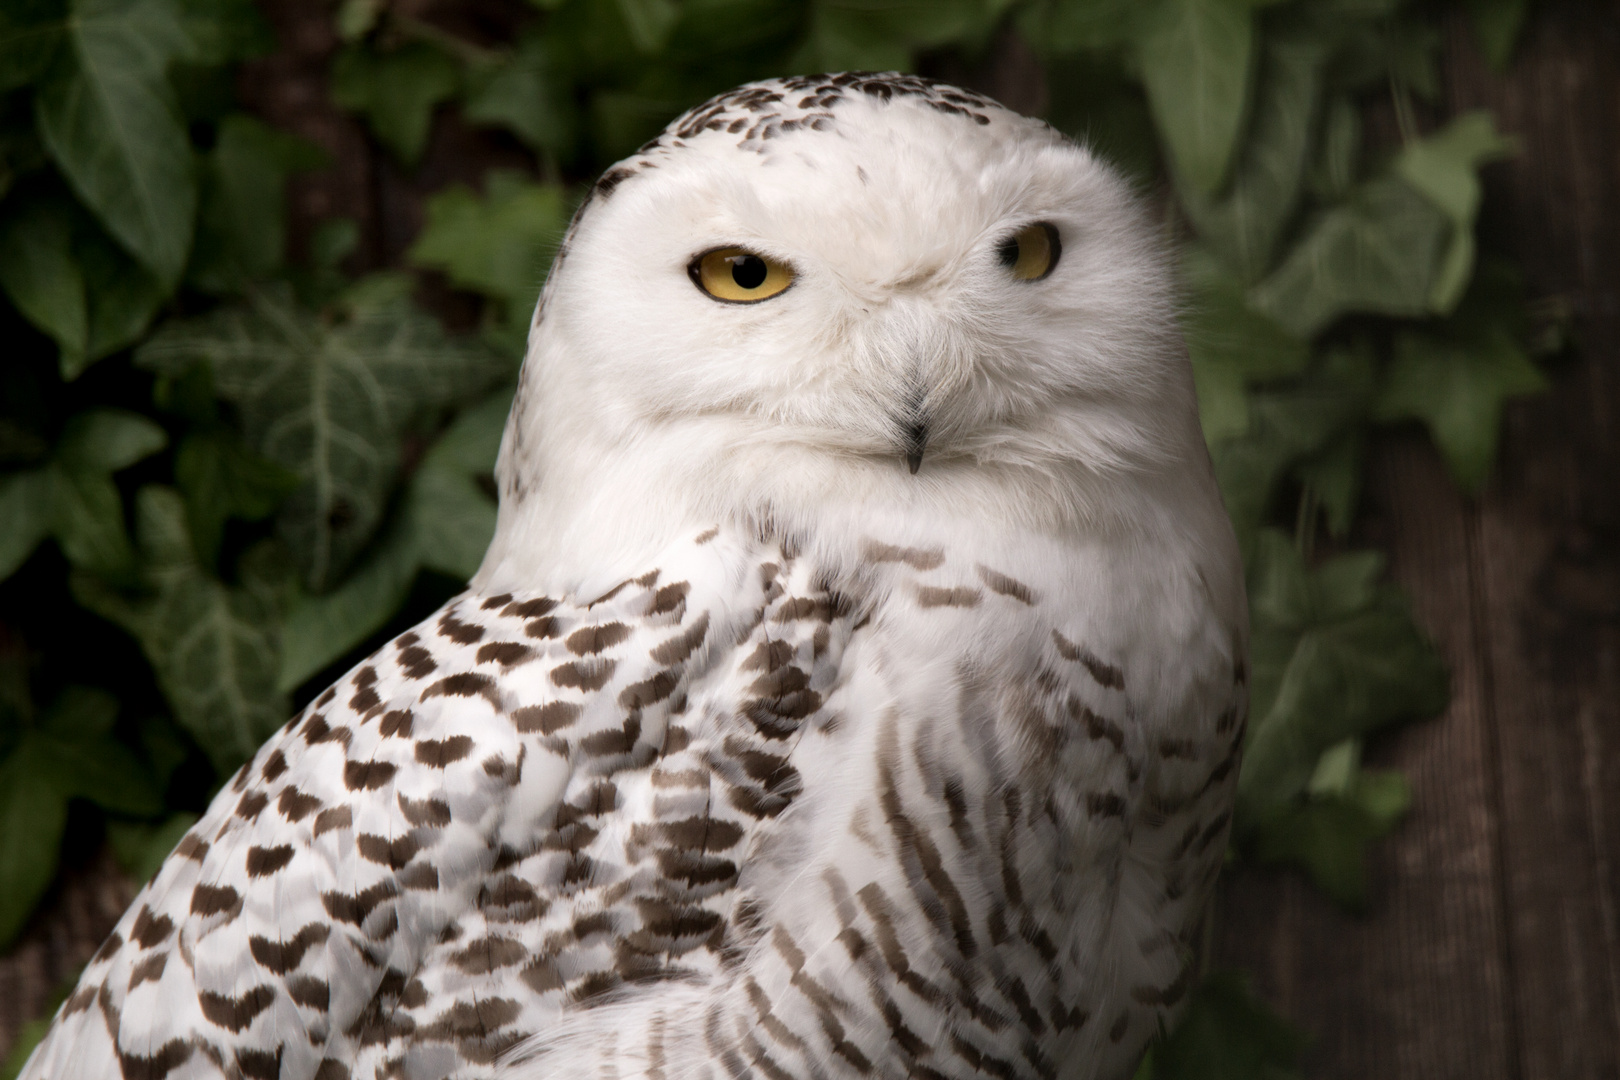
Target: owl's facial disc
[{"x": 901, "y": 286}]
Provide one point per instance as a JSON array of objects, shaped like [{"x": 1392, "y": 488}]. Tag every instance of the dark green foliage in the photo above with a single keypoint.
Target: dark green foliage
[
  {"x": 525, "y": 93},
  {"x": 328, "y": 399},
  {"x": 1197, "y": 61},
  {"x": 1456, "y": 374},
  {"x": 213, "y": 646},
  {"x": 1497, "y": 25},
  {"x": 499, "y": 246},
  {"x": 1334, "y": 656},
  {"x": 72, "y": 496},
  {"x": 1226, "y": 1034},
  {"x": 395, "y": 91},
  {"x": 443, "y": 523},
  {"x": 109, "y": 117},
  {"x": 241, "y": 224},
  {"x": 240, "y": 472},
  {"x": 68, "y": 278},
  {"x": 69, "y": 753}
]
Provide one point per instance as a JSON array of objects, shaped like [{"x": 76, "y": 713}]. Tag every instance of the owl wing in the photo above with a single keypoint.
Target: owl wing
[{"x": 277, "y": 938}]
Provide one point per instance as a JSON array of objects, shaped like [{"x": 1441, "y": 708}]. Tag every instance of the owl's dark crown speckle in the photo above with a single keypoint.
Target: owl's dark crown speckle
[{"x": 760, "y": 112}]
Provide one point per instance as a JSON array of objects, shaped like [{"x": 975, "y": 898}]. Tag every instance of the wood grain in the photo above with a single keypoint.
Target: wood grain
[
  {"x": 72, "y": 921},
  {"x": 1547, "y": 541},
  {"x": 1418, "y": 986},
  {"x": 1490, "y": 949}
]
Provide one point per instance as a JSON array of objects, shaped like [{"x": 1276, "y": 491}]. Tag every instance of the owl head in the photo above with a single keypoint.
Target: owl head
[{"x": 847, "y": 294}]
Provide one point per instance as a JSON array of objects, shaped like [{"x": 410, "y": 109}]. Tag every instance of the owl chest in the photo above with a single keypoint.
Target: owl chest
[{"x": 1005, "y": 809}]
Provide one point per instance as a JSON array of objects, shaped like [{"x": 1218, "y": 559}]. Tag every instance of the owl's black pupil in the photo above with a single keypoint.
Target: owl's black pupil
[
  {"x": 748, "y": 271},
  {"x": 1008, "y": 250}
]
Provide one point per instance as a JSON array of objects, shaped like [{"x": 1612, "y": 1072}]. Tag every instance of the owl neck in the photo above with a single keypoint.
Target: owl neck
[{"x": 588, "y": 498}]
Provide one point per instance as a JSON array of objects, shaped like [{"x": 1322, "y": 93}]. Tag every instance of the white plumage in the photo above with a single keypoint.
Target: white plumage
[{"x": 752, "y": 751}]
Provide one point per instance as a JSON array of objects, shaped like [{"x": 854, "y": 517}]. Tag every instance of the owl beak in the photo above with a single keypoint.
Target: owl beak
[
  {"x": 914, "y": 428},
  {"x": 916, "y": 435}
]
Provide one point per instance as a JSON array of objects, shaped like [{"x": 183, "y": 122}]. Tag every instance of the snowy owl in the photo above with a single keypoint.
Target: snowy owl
[{"x": 854, "y": 685}]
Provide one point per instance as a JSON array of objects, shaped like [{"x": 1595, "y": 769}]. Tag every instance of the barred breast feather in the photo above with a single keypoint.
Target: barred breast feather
[{"x": 732, "y": 816}]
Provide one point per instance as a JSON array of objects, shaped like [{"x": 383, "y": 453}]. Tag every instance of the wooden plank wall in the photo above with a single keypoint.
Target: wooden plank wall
[{"x": 1490, "y": 949}]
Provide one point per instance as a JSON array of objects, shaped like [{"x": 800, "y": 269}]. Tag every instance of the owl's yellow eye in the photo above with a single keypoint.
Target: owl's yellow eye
[
  {"x": 739, "y": 277},
  {"x": 1031, "y": 252}
]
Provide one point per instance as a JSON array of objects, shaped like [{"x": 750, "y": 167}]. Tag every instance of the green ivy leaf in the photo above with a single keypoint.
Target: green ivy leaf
[
  {"x": 1227, "y": 1033},
  {"x": 319, "y": 629},
  {"x": 41, "y": 275},
  {"x": 1334, "y": 474},
  {"x": 454, "y": 518},
  {"x": 1377, "y": 252},
  {"x": 650, "y": 22},
  {"x": 1332, "y": 174},
  {"x": 1497, "y": 25},
  {"x": 1411, "y": 52},
  {"x": 73, "y": 283},
  {"x": 107, "y": 440},
  {"x": 500, "y": 245},
  {"x": 27, "y": 507},
  {"x": 70, "y": 754},
  {"x": 1326, "y": 833},
  {"x": 328, "y": 401},
  {"x": 22, "y": 155},
  {"x": 527, "y": 95},
  {"x": 1092, "y": 25},
  {"x": 215, "y": 649},
  {"x": 1246, "y": 221},
  {"x": 1332, "y": 657},
  {"x": 1327, "y": 839},
  {"x": 33, "y": 815},
  {"x": 1457, "y": 386},
  {"x": 444, "y": 523},
  {"x": 123, "y": 297},
  {"x": 241, "y": 226},
  {"x": 1231, "y": 345},
  {"x": 75, "y": 745},
  {"x": 89, "y": 522},
  {"x": 221, "y": 478},
  {"x": 87, "y": 512},
  {"x": 1445, "y": 168},
  {"x": 73, "y": 496},
  {"x": 222, "y": 31},
  {"x": 1288, "y": 424},
  {"x": 396, "y": 92},
  {"x": 1196, "y": 58},
  {"x": 109, "y": 119},
  {"x": 1286, "y": 596}
]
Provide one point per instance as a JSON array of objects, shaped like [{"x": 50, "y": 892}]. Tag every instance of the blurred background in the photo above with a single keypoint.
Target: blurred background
[{"x": 265, "y": 272}]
